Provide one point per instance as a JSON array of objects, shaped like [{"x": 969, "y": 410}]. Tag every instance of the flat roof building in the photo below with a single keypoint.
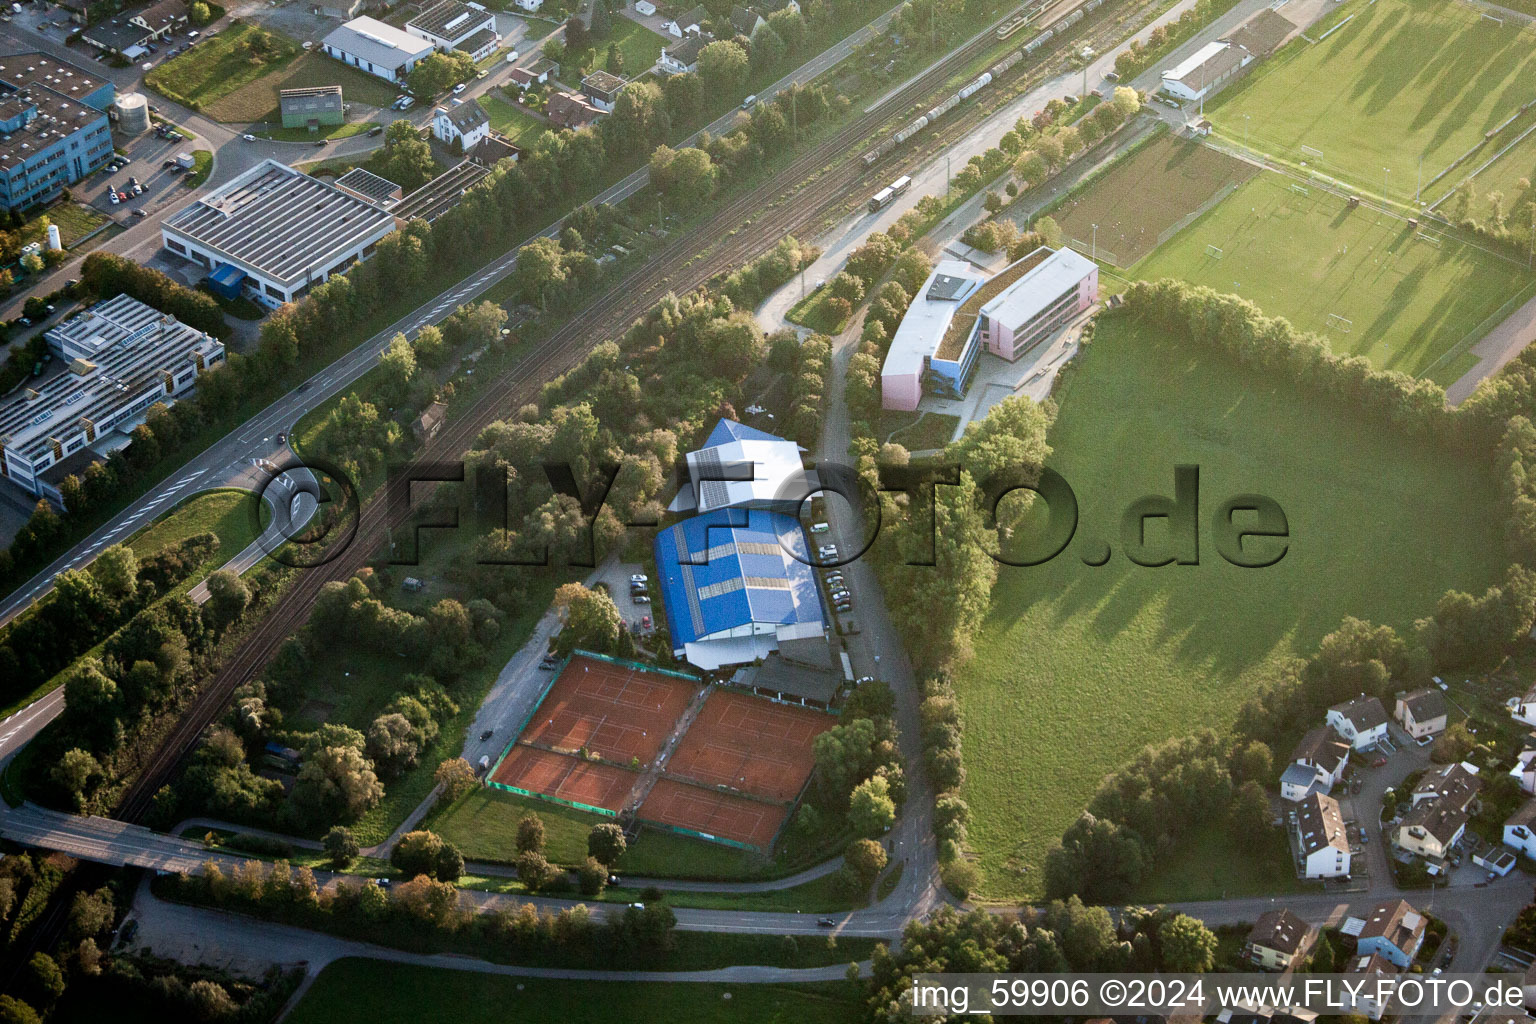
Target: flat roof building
[
  {"x": 123, "y": 356},
  {"x": 375, "y": 188},
  {"x": 53, "y": 127},
  {"x": 377, "y": 48},
  {"x": 451, "y": 25},
  {"x": 959, "y": 312},
  {"x": 311, "y": 106},
  {"x": 284, "y": 230}
]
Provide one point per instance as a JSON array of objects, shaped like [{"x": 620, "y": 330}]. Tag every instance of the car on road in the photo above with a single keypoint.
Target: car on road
[
  {"x": 486, "y": 735},
  {"x": 248, "y": 137},
  {"x": 282, "y": 438},
  {"x": 319, "y": 143},
  {"x": 382, "y": 883},
  {"x": 863, "y": 679},
  {"x": 825, "y": 922},
  {"x": 128, "y": 931},
  {"x": 303, "y": 387},
  {"x": 512, "y": 56},
  {"x": 377, "y": 129},
  {"x": 141, "y": 213}
]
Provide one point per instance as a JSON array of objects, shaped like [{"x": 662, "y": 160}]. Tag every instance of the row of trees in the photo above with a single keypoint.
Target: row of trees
[
  {"x": 605, "y": 846},
  {"x": 1139, "y": 56},
  {"x": 1060, "y": 938},
  {"x": 425, "y": 915},
  {"x": 87, "y": 604},
  {"x": 806, "y": 364},
  {"x": 106, "y": 274}
]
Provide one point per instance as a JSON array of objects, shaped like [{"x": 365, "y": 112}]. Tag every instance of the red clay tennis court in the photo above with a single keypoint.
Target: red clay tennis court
[
  {"x": 750, "y": 744},
  {"x": 613, "y": 710},
  {"x": 569, "y": 778},
  {"x": 713, "y": 813}
]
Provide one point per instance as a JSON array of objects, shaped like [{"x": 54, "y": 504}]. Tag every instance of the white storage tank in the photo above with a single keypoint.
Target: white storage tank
[
  {"x": 55, "y": 240},
  {"x": 132, "y": 113}
]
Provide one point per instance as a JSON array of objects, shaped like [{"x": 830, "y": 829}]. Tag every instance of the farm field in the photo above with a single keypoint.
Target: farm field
[
  {"x": 1078, "y": 668},
  {"x": 1309, "y": 257},
  {"x": 240, "y": 55},
  {"x": 1403, "y": 79},
  {"x": 257, "y": 100},
  {"x": 1138, "y": 199},
  {"x": 518, "y": 125},
  {"x": 378, "y": 992}
]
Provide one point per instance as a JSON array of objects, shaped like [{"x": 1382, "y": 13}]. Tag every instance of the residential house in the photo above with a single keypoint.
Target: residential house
[
  {"x": 691, "y": 22},
  {"x": 1394, "y": 931},
  {"x": 1277, "y": 940},
  {"x": 1524, "y": 771},
  {"x": 531, "y": 6},
  {"x": 537, "y": 73},
  {"x": 1322, "y": 750},
  {"x": 1520, "y": 829},
  {"x": 1362, "y": 721},
  {"x": 1362, "y": 999},
  {"x": 570, "y": 110},
  {"x": 1321, "y": 845},
  {"x": 462, "y": 126},
  {"x": 775, "y": 6},
  {"x": 1524, "y": 708},
  {"x": 645, "y": 8},
  {"x": 161, "y": 19},
  {"x": 1299, "y": 781},
  {"x": 745, "y": 22},
  {"x": 602, "y": 89},
  {"x": 492, "y": 150},
  {"x": 682, "y": 58},
  {"x": 1258, "y": 1013},
  {"x": 1421, "y": 713},
  {"x": 1442, "y": 804},
  {"x": 120, "y": 37},
  {"x": 428, "y": 424}
]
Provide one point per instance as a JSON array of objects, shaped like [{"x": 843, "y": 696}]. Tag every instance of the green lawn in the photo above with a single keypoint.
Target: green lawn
[
  {"x": 227, "y": 514},
  {"x": 1209, "y": 865},
  {"x": 202, "y": 166},
  {"x": 217, "y": 67},
  {"x": 922, "y": 431},
  {"x": 1077, "y": 668},
  {"x": 1305, "y": 257},
  {"x": 256, "y": 100},
  {"x": 483, "y": 824},
  {"x": 376, "y": 992},
  {"x": 518, "y": 125},
  {"x": 74, "y": 220},
  {"x": 1404, "y": 79},
  {"x": 1507, "y": 173},
  {"x": 640, "y": 46}
]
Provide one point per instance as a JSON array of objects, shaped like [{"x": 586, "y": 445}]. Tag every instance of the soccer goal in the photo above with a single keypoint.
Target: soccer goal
[
  {"x": 1300, "y": 190},
  {"x": 1312, "y": 151},
  {"x": 1493, "y": 18},
  {"x": 1343, "y": 325},
  {"x": 1433, "y": 240},
  {"x": 1214, "y": 252}
]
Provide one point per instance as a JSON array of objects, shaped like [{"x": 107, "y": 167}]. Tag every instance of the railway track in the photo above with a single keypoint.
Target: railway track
[{"x": 771, "y": 210}]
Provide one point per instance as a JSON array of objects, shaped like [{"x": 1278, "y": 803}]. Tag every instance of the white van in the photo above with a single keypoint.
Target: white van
[{"x": 747, "y": 103}]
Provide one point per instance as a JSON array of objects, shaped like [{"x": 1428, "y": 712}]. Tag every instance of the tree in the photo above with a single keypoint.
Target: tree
[
  {"x": 116, "y": 570},
  {"x": 639, "y": 120},
  {"x": 870, "y": 809},
  {"x": 91, "y": 914},
  {"x": 1126, "y": 101},
  {"x": 614, "y": 61},
  {"x": 73, "y": 774},
  {"x": 1453, "y": 745},
  {"x": 866, "y": 859},
  {"x": 335, "y": 782},
  {"x": 200, "y": 13},
  {"x": 433, "y": 74},
  {"x": 606, "y": 843},
  {"x": 1049, "y": 230},
  {"x": 417, "y": 853},
  {"x": 14, "y": 1011},
  {"x": 456, "y": 777},
  {"x": 686, "y": 176},
  {"x": 723, "y": 68},
  {"x": 540, "y": 265},
  {"x": 210, "y": 1001},
  {"x": 530, "y": 833},
  {"x": 42, "y": 981},
  {"x": 397, "y": 368},
  {"x": 227, "y": 598},
  {"x": 533, "y": 870},
  {"x": 592, "y": 621},
  {"x": 406, "y": 159},
  {"x": 340, "y": 846},
  {"x": 1189, "y": 947},
  {"x": 394, "y": 743},
  {"x": 591, "y": 877},
  {"x": 1097, "y": 859},
  {"x": 1248, "y": 818}
]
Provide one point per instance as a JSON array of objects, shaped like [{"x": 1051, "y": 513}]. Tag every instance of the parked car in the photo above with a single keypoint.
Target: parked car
[
  {"x": 820, "y": 528},
  {"x": 842, "y": 608},
  {"x": 645, "y": 622},
  {"x": 1379, "y": 762},
  {"x": 827, "y": 551},
  {"x": 458, "y": 90},
  {"x": 113, "y": 197},
  {"x": 639, "y": 577},
  {"x": 641, "y": 598}
]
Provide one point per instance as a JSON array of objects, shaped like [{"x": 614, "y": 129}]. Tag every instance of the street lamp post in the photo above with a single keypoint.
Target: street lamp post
[
  {"x": 1246, "y": 119},
  {"x": 1095, "y": 252},
  {"x": 1386, "y": 181}
]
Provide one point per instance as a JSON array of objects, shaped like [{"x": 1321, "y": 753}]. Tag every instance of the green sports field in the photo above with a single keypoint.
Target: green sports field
[
  {"x": 1077, "y": 668},
  {"x": 1309, "y": 257},
  {"x": 376, "y": 992},
  {"x": 1403, "y": 79}
]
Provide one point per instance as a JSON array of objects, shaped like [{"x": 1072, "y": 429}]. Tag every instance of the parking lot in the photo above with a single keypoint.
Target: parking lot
[
  {"x": 147, "y": 156},
  {"x": 639, "y": 616}
]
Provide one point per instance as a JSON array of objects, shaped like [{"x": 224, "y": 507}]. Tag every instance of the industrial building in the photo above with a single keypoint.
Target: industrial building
[
  {"x": 451, "y": 25},
  {"x": 311, "y": 106},
  {"x": 54, "y": 128},
  {"x": 277, "y": 230},
  {"x": 374, "y": 188},
  {"x": 742, "y": 467},
  {"x": 736, "y": 580},
  {"x": 1205, "y": 69},
  {"x": 959, "y": 312},
  {"x": 122, "y": 357},
  {"x": 377, "y": 48}
]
